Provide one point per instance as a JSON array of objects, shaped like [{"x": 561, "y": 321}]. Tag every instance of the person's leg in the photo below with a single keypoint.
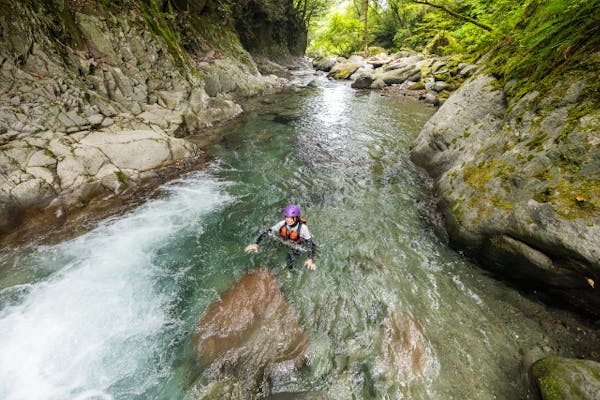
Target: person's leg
[{"x": 291, "y": 258}]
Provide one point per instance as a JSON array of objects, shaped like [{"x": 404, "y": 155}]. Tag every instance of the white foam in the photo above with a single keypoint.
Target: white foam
[{"x": 99, "y": 320}]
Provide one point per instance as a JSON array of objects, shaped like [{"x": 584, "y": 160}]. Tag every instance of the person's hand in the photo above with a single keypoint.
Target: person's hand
[
  {"x": 310, "y": 264},
  {"x": 251, "y": 248}
]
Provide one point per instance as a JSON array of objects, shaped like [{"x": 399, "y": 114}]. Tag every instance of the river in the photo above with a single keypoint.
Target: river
[{"x": 109, "y": 314}]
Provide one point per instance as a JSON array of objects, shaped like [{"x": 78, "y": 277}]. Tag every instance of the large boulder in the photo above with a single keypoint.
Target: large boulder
[
  {"x": 343, "y": 70},
  {"x": 363, "y": 81},
  {"x": 400, "y": 75},
  {"x": 518, "y": 183},
  {"x": 251, "y": 332},
  {"x": 323, "y": 64},
  {"x": 559, "y": 378}
]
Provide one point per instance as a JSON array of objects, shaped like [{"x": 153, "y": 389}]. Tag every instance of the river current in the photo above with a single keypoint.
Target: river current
[{"x": 110, "y": 314}]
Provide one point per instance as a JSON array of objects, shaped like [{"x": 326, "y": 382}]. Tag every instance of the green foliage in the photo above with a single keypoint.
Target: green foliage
[
  {"x": 552, "y": 37},
  {"x": 341, "y": 35},
  {"x": 404, "y": 24}
]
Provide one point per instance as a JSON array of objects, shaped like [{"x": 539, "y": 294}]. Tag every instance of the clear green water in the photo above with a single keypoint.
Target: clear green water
[{"x": 110, "y": 314}]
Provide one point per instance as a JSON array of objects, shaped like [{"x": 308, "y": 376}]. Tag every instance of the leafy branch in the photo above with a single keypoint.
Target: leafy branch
[{"x": 455, "y": 14}]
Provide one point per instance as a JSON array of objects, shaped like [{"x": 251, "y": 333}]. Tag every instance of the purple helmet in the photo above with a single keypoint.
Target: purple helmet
[{"x": 291, "y": 210}]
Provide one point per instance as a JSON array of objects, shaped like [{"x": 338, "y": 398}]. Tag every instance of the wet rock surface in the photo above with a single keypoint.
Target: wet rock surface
[{"x": 251, "y": 333}]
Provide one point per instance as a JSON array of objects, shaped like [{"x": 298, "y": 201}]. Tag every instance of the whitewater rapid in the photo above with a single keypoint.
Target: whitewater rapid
[{"x": 99, "y": 322}]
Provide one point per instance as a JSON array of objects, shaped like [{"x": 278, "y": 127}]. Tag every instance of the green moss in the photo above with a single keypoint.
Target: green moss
[
  {"x": 543, "y": 196},
  {"x": 417, "y": 86},
  {"x": 578, "y": 199},
  {"x": 479, "y": 176},
  {"x": 573, "y": 165},
  {"x": 559, "y": 378},
  {"x": 457, "y": 208},
  {"x": 573, "y": 120},
  {"x": 345, "y": 71},
  {"x": 162, "y": 25},
  {"x": 537, "y": 143},
  {"x": 543, "y": 174},
  {"x": 497, "y": 201},
  {"x": 121, "y": 177}
]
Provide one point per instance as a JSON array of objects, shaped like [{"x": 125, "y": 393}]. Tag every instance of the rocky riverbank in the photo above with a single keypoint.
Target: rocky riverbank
[
  {"x": 95, "y": 100},
  {"x": 430, "y": 78}
]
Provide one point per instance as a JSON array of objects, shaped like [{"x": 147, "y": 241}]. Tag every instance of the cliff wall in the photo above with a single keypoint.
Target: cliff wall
[
  {"x": 518, "y": 178},
  {"x": 95, "y": 96}
]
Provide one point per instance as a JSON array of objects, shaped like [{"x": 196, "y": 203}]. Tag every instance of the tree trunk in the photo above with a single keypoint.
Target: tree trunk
[{"x": 366, "y": 51}]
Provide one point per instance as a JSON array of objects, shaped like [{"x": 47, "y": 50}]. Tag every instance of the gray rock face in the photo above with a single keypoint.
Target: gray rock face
[
  {"x": 474, "y": 110},
  {"x": 73, "y": 120},
  {"x": 519, "y": 184},
  {"x": 68, "y": 167},
  {"x": 559, "y": 378},
  {"x": 251, "y": 332}
]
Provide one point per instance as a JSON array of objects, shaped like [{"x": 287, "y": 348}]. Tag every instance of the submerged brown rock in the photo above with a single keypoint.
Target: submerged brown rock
[
  {"x": 404, "y": 347},
  {"x": 251, "y": 332}
]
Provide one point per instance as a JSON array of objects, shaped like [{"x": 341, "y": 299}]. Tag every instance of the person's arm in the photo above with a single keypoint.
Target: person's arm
[
  {"x": 311, "y": 254},
  {"x": 310, "y": 246},
  {"x": 254, "y": 246},
  {"x": 262, "y": 236}
]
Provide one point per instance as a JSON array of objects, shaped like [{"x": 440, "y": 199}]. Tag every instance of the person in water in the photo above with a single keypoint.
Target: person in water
[{"x": 292, "y": 231}]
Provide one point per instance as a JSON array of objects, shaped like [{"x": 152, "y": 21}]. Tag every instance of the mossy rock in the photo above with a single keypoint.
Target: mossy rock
[
  {"x": 343, "y": 71},
  {"x": 559, "y": 378},
  {"x": 417, "y": 86}
]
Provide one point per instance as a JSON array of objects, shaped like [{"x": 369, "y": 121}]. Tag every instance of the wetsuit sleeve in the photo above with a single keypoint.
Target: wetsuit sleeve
[
  {"x": 274, "y": 228},
  {"x": 262, "y": 236},
  {"x": 310, "y": 246}
]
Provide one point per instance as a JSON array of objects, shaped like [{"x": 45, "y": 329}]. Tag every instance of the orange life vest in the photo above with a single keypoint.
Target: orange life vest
[{"x": 294, "y": 236}]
